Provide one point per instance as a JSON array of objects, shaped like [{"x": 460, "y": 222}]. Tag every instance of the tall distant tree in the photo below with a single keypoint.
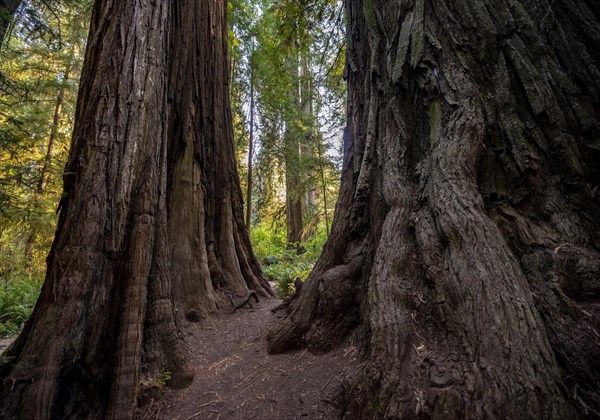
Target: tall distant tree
[
  {"x": 250, "y": 154},
  {"x": 294, "y": 63},
  {"x": 151, "y": 213},
  {"x": 291, "y": 152},
  {"x": 464, "y": 253}
]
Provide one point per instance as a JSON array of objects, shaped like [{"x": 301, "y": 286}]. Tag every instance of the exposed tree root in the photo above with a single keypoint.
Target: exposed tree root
[{"x": 245, "y": 300}]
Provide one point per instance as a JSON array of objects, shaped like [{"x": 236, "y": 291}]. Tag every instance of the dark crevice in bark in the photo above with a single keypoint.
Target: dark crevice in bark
[{"x": 468, "y": 201}]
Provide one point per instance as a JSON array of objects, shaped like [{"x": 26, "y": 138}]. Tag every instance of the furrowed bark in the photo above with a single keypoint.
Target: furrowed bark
[
  {"x": 81, "y": 351},
  {"x": 150, "y": 184},
  {"x": 201, "y": 136},
  {"x": 465, "y": 248},
  {"x": 294, "y": 211}
]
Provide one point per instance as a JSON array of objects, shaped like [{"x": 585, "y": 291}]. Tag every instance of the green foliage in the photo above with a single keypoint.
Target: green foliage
[
  {"x": 156, "y": 381},
  {"x": 36, "y": 108},
  {"x": 165, "y": 377},
  {"x": 291, "y": 55},
  {"x": 283, "y": 265},
  {"x": 19, "y": 291},
  {"x": 40, "y": 65}
]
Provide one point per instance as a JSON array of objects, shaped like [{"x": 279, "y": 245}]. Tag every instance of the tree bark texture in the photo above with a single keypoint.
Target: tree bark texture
[
  {"x": 81, "y": 351},
  {"x": 294, "y": 193},
  {"x": 151, "y": 154},
  {"x": 293, "y": 190},
  {"x": 250, "y": 154},
  {"x": 464, "y": 254},
  {"x": 203, "y": 168}
]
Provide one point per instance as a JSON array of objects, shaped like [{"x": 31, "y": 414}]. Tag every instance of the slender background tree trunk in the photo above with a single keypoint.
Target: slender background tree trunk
[
  {"x": 45, "y": 172},
  {"x": 464, "y": 254},
  {"x": 250, "y": 153}
]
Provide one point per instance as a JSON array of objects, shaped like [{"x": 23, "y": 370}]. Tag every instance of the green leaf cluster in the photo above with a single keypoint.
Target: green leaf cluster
[
  {"x": 281, "y": 264},
  {"x": 290, "y": 55},
  {"x": 40, "y": 63},
  {"x": 18, "y": 293}
]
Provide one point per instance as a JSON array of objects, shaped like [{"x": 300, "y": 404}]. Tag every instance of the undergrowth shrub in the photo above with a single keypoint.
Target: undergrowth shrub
[
  {"x": 20, "y": 286},
  {"x": 284, "y": 265}
]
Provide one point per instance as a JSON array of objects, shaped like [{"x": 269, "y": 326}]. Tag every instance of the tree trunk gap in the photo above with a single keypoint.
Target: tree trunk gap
[
  {"x": 464, "y": 253},
  {"x": 8, "y": 8},
  {"x": 150, "y": 183}
]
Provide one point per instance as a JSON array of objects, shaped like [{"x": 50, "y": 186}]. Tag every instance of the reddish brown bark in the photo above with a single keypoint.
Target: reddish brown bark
[
  {"x": 150, "y": 181},
  {"x": 205, "y": 197},
  {"x": 294, "y": 194},
  {"x": 464, "y": 253}
]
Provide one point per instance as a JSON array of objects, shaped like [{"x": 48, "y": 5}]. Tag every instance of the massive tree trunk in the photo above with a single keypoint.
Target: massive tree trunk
[
  {"x": 464, "y": 253},
  {"x": 81, "y": 351},
  {"x": 150, "y": 186}
]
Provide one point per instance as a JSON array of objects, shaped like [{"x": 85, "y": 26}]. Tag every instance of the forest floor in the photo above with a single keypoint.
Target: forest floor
[
  {"x": 4, "y": 343},
  {"x": 235, "y": 378}
]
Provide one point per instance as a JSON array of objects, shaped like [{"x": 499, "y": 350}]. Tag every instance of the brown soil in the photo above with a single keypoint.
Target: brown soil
[
  {"x": 4, "y": 343},
  {"x": 235, "y": 378}
]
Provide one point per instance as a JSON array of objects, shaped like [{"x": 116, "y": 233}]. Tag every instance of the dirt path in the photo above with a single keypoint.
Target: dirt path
[
  {"x": 236, "y": 378},
  {"x": 5, "y": 342}
]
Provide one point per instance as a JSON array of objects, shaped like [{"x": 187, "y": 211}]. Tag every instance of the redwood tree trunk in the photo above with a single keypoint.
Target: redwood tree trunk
[
  {"x": 294, "y": 193},
  {"x": 209, "y": 241},
  {"x": 81, "y": 350},
  {"x": 150, "y": 181},
  {"x": 464, "y": 252},
  {"x": 293, "y": 190}
]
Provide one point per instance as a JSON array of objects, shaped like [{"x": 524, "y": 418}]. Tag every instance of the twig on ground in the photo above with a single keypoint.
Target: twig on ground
[
  {"x": 204, "y": 406},
  {"x": 246, "y": 380},
  {"x": 239, "y": 406},
  {"x": 328, "y": 381}
]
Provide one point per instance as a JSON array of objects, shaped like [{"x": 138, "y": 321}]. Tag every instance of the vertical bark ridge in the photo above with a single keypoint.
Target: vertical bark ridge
[
  {"x": 476, "y": 207},
  {"x": 204, "y": 171},
  {"x": 80, "y": 353}
]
